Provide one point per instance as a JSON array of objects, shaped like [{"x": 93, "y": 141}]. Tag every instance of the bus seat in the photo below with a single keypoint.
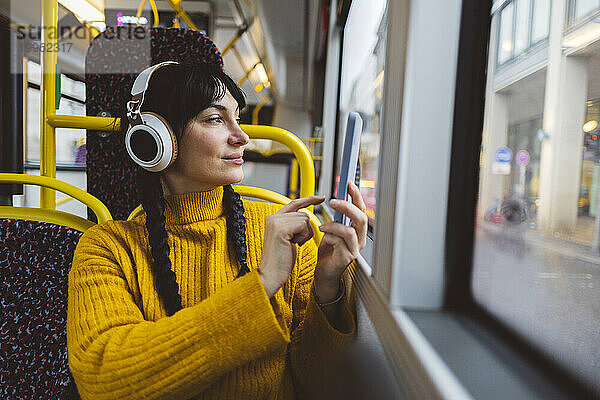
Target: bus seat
[
  {"x": 35, "y": 259},
  {"x": 36, "y": 252},
  {"x": 113, "y": 60}
]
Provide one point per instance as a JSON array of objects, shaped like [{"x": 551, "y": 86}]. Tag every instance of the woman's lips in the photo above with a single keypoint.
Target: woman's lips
[{"x": 237, "y": 161}]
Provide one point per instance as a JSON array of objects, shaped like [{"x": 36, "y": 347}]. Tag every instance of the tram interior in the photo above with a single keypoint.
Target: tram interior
[{"x": 479, "y": 168}]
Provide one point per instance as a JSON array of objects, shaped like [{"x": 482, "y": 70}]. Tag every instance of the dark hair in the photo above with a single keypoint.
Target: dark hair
[{"x": 179, "y": 93}]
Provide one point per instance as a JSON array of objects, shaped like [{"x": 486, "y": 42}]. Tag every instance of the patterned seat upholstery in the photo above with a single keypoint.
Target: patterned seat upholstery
[
  {"x": 113, "y": 60},
  {"x": 35, "y": 258}
]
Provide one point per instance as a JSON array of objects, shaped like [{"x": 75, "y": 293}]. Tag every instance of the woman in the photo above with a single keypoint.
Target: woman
[{"x": 207, "y": 295}]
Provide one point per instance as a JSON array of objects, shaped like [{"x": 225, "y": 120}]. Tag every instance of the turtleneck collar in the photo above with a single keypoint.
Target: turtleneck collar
[{"x": 192, "y": 207}]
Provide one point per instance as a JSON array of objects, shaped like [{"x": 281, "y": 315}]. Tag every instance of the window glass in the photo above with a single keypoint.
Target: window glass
[
  {"x": 361, "y": 88},
  {"x": 70, "y": 143},
  {"x": 32, "y": 137},
  {"x": 505, "y": 44},
  {"x": 536, "y": 260},
  {"x": 72, "y": 87},
  {"x": 584, "y": 7},
  {"x": 522, "y": 29},
  {"x": 34, "y": 72},
  {"x": 541, "y": 20}
]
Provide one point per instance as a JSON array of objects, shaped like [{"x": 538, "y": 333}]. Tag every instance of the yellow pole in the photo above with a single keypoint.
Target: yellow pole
[
  {"x": 246, "y": 75},
  {"x": 238, "y": 56},
  {"x": 47, "y": 99},
  {"x": 260, "y": 105},
  {"x": 138, "y": 14},
  {"x": 294, "y": 179},
  {"x": 181, "y": 13},
  {"x": 237, "y": 36}
]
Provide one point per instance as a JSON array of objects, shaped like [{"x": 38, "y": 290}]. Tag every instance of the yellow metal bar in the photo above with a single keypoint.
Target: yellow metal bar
[
  {"x": 92, "y": 29},
  {"x": 47, "y": 99},
  {"x": 138, "y": 14},
  {"x": 263, "y": 194},
  {"x": 246, "y": 75},
  {"x": 96, "y": 205},
  {"x": 307, "y": 178},
  {"x": 232, "y": 42},
  {"x": 256, "y": 110},
  {"x": 154, "y": 13},
  {"x": 79, "y": 122},
  {"x": 181, "y": 13},
  {"x": 307, "y": 168},
  {"x": 46, "y": 215},
  {"x": 64, "y": 200},
  {"x": 238, "y": 56},
  {"x": 294, "y": 179}
]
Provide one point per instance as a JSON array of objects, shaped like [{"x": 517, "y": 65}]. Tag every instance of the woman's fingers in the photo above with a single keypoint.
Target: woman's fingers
[
  {"x": 292, "y": 226},
  {"x": 346, "y": 233},
  {"x": 302, "y": 202},
  {"x": 357, "y": 199},
  {"x": 358, "y": 217},
  {"x": 306, "y": 232}
]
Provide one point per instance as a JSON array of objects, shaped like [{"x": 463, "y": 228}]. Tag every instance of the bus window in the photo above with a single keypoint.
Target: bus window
[
  {"x": 361, "y": 90},
  {"x": 536, "y": 260}
]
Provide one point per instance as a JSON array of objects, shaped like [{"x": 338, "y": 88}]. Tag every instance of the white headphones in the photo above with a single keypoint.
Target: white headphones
[{"x": 148, "y": 128}]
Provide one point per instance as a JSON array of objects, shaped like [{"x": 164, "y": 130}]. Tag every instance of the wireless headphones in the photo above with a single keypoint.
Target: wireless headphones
[{"x": 149, "y": 140}]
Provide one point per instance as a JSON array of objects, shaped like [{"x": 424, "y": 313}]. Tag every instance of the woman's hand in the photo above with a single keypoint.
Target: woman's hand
[
  {"x": 283, "y": 230},
  {"x": 340, "y": 245}
]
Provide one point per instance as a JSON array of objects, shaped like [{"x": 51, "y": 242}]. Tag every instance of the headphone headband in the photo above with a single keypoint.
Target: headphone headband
[{"x": 141, "y": 82}]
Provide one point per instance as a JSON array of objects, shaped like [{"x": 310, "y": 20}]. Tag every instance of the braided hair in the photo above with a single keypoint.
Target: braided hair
[{"x": 179, "y": 93}]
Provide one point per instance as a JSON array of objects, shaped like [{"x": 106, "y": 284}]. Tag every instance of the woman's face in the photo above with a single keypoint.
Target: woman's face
[{"x": 210, "y": 150}]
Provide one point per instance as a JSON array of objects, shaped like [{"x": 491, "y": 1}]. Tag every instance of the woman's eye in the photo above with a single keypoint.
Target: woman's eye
[{"x": 214, "y": 119}]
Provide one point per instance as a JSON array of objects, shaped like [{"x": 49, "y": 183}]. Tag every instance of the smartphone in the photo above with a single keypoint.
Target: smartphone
[{"x": 349, "y": 161}]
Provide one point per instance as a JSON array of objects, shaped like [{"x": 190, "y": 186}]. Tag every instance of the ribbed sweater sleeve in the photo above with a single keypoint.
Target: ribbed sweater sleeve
[
  {"x": 315, "y": 344},
  {"x": 114, "y": 353}
]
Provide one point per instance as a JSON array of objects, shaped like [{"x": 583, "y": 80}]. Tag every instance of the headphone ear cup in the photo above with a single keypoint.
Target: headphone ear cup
[
  {"x": 165, "y": 132},
  {"x": 152, "y": 144}
]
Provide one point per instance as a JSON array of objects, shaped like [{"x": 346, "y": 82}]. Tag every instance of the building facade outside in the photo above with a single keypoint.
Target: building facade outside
[{"x": 540, "y": 148}]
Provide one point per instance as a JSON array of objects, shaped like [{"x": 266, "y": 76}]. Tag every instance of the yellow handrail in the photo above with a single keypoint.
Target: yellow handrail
[
  {"x": 45, "y": 215},
  {"x": 296, "y": 146},
  {"x": 47, "y": 99},
  {"x": 263, "y": 194},
  {"x": 50, "y": 215}
]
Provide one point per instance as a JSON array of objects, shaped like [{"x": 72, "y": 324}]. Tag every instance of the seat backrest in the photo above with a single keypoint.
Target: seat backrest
[
  {"x": 113, "y": 61},
  {"x": 35, "y": 259}
]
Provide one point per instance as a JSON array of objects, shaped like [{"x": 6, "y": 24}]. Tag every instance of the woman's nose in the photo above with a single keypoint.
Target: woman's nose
[{"x": 238, "y": 136}]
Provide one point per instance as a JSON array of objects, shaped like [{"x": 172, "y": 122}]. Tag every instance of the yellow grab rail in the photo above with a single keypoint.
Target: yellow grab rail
[
  {"x": 47, "y": 99},
  {"x": 263, "y": 194},
  {"x": 296, "y": 146},
  {"x": 79, "y": 122},
  {"x": 45, "y": 215},
  {"x": 52, "y": 215}
]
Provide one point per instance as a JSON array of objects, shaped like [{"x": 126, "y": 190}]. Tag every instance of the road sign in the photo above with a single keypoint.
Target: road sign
[
  {"x": 523, "y": 158},
  {"x": 503, "y": 155},
  {"x": 501, "y": 168}
]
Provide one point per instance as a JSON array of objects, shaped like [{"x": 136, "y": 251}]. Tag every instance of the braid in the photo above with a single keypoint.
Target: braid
[
  {"x": 236, "y": 226},
  {"x": 164, "y": 277}
]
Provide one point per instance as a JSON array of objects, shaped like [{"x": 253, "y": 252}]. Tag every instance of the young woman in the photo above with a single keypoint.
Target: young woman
[{"x": 207, "y": 296}]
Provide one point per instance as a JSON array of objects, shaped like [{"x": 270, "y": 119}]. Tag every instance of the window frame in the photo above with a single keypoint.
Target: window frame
[{"x": 462, "y": 206}]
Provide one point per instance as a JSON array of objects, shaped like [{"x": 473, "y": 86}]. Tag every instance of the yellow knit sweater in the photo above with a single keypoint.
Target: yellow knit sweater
[{"x": 230, "y": 341}]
